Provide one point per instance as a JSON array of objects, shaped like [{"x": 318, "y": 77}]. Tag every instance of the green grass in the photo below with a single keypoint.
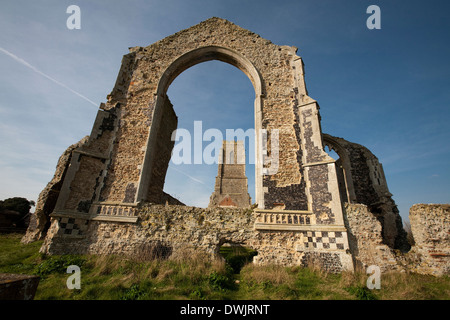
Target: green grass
[
  {"x": 15, "y": 257},
  {"x": 194, "y": 277}
]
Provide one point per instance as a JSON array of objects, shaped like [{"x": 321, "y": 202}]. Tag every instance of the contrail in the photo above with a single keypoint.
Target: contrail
[
  {"x": 23, "y": 62},
  {"x": 192, "y": 178}
]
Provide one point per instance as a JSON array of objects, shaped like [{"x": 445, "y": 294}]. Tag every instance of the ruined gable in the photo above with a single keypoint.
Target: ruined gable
[{"x": 112, "y": 200}]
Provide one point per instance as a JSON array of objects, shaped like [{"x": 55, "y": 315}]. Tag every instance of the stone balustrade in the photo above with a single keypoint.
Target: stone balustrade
[
  {"x": 115, "y": 211},
  {"x": 287, "y": 218}
]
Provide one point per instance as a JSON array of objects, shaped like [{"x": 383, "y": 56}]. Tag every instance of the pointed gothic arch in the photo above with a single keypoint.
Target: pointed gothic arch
[{"x": 182, "y": 63}]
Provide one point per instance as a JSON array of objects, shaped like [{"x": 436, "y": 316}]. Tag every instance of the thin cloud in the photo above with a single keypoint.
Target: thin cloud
[
  {"x": 190, "y": 177},
  {"x": 23, "y": 62}
]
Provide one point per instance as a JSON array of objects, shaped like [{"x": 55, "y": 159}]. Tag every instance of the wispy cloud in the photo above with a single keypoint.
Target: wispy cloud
[
  {"x": 190, "y": 177},
  {"x": 23, "y": 62}
]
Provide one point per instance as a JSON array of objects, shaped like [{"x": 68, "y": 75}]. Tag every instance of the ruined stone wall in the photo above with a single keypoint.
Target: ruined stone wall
[
  {"x": 430, "y": 226},
  {"x": 124, "y": 153},
  {"x": 341, "y": 181},
  {"x": 151, "y": 62},
  {"x": 327, "y": 250},
  {"x": 123, "y": 164},
  {"x": 174, "y": 227},
  {"x": 86, "y": 174},
  {"x": 365, "y": 180},
  {"x": 48, "y": 197},
  {"x": 82, "y": 191},
  {"x": 163, "y": 152},
  {"x": 361, "y": 180},
  {"x": 366, "y": 240},
  {"x": 107, "y": 182},
  {"x": 126, "y": 139},
  {"x": 361, "y": 173}
]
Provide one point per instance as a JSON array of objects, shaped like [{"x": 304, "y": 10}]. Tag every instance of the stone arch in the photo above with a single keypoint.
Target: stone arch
[
  {"x": 180, "y": 64},
  {"x": 343, "y": 168},
  {"x": 208, "y": 53},
  {"x": 364, "y": 173},
  {"x": 366, "y": 184}
]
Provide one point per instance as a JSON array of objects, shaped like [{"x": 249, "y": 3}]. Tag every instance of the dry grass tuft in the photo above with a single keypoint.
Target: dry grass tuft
[{"x": 273, "y": 274}]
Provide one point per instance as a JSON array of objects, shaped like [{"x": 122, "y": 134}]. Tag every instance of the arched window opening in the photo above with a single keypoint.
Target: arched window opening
[
  {"x": 331, "y": 152},
  {"x": 208, "y": 99},
  {"x": 340, "y": 171}
]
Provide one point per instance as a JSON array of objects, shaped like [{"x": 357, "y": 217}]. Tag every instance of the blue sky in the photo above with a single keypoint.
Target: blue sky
[{"x": 386, "y": 89}]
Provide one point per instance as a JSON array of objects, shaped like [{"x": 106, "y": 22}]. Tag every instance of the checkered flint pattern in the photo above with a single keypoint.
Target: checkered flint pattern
[{"x": 333, "y": 240}]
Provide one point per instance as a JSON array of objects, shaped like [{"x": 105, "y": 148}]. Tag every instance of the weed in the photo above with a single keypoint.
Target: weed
[
  {"x": 219, "y": 281},
  {"x": 58, "y": 264},
  {"x": 135, "y": 292},
  {"x": 197, "y": 294},
  {"x": 362, "y": 293}
]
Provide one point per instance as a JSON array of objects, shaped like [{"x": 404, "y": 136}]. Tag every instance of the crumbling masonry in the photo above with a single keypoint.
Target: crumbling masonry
[{"x": 107, "y": 195}]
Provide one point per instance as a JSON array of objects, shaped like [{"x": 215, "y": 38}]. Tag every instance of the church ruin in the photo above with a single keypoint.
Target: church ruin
[
  {"x": 107, "y": 195},
  {"x": 231, "y": 186}
]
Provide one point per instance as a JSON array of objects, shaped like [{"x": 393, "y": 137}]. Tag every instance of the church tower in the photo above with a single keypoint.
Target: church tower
[{"x": 231, "y": 187}]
